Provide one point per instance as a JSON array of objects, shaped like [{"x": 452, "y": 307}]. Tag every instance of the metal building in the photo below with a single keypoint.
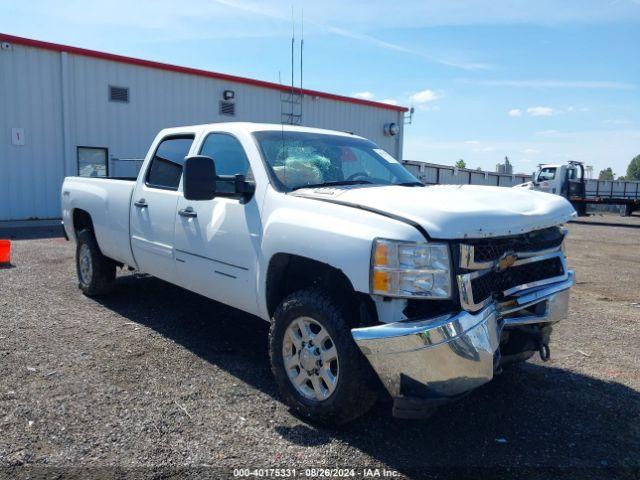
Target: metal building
[{"x": 69, "y": 111}]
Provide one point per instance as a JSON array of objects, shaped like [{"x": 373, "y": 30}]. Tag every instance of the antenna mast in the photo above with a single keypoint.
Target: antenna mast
[
  {"x": 293, "y": 47},
  {"x": 290, "y": 98},
  {"x": 301, "y": 52}
]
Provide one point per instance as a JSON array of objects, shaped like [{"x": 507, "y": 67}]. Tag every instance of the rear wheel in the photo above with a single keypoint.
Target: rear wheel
[
  {"x": 318, "y": 367},
  {"x": 96, "y": 273}
]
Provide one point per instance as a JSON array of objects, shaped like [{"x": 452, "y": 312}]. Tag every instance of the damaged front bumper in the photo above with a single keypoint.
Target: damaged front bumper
[{"x": 427, "y": 362}]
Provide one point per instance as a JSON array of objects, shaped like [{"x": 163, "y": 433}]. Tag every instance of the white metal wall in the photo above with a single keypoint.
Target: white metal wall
[
  {"x": 30, "y": 174},
  {"x": 61, "y": 101}
]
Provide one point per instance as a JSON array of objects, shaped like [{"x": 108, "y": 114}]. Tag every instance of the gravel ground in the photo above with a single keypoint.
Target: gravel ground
[{"x": 159, "y": 378}]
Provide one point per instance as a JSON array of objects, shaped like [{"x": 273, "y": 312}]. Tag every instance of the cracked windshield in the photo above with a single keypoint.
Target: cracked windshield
[{"x": 303, "y": 159}]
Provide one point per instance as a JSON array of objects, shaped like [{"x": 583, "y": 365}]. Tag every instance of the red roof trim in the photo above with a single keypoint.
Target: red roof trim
[{"x": 190, "y": 71}]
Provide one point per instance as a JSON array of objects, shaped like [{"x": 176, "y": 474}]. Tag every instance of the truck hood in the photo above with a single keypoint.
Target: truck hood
[{"x": 456, "y": 211}]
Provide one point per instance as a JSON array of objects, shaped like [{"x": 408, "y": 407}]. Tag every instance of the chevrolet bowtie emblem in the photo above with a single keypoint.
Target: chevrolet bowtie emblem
[{"x": 506, "y": 260}]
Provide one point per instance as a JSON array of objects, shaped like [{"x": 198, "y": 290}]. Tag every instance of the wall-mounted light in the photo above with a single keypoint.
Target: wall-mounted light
[
  {"x": 391, "y": 129},
  {"x": 228, "y": 94}
]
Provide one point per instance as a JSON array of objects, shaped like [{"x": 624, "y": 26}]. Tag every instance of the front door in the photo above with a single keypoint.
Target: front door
[
  {"x": 547, "y": 180},
  {"x": 216, "y": 241},
  {"x": 154, "y": 208}
]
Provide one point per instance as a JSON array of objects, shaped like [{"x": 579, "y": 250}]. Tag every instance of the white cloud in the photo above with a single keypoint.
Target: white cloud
[
  {"x": 515, "y": 112},
  {"x": 472, "y": 142},
  {"x": 540, "y": 111},
  {"x": 390, "y": 101},
  {"x": 363, "y": 37},
  {"x": 530, "y": 151},
  {"x": 617, "y": 121},
  {"x": 425, "y": 96},
  {"x": 364, "y": 95},
  {"x": 588, "y": 84},
  {"x": 547, "y": 133}
]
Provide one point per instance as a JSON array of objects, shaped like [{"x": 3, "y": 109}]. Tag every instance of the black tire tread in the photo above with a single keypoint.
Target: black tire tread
[
  {"x": 104, "y": 269},
  {"x": 356, "y": 391}
]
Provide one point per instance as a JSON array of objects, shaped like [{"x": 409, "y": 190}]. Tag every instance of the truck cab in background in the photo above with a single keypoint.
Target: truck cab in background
[
  {"x": 568, "y": 180},
  {"x": 561, "y": 179}
]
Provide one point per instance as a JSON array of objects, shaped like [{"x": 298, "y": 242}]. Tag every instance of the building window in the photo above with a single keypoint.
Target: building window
[
  {"x": 93, "y": 162},
  {"x": 118, "y": 94}
]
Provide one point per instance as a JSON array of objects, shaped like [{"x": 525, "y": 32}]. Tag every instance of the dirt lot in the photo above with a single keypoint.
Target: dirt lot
[{"x": 155, "y": 376}]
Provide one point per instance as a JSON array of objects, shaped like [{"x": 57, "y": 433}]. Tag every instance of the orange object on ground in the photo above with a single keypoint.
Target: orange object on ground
[{"x": 5, "y": 251}]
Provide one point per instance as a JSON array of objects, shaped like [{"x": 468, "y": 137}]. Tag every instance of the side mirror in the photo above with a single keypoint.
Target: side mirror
[
  {"x": 244, "y": 187},
  {"x": 199, "y": 178}
]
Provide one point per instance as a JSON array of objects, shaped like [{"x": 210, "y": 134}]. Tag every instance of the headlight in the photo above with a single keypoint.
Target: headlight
[{"x": 403, "y": 269}]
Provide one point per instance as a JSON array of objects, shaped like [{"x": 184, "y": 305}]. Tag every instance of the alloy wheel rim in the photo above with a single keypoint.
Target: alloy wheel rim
[
  {"x": 86, "y": 267},
  {"x": 310, "y": 359}
]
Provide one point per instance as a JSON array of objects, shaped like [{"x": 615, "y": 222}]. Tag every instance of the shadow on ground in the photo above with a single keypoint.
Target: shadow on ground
[
  {"x": 31, "y": 232},
  {"x": 530, "y": 416},
  {"x": 607, "y": 224}
]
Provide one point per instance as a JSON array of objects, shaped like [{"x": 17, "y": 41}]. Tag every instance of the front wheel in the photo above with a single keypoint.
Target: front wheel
[{"x": 318, "y": 367}]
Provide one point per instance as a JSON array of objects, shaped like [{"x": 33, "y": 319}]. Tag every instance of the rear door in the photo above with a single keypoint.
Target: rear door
[
  {"x": 154, "y": 208},
  {"x": 217, "y": 240}
]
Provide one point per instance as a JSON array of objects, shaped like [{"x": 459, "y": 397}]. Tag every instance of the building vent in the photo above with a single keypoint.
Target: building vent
[
  {"x": 227, "y": 108},
  {"x": 118, "y": 94}
]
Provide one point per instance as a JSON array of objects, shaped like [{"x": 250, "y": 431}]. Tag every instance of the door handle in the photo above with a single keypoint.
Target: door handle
[
  {"x": 187, "y": 212},
  {"x": 141, "y": 203}
]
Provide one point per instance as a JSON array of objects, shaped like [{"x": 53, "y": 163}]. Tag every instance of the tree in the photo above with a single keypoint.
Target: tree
[
  {"x": 606, "y": 174},
  {"x": 633, "y": 170},
  {"x": 461, "y": 164}
]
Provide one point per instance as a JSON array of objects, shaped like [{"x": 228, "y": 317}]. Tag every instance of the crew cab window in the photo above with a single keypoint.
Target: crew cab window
[
  {"x": 548, "y": 173},
  {"x": 165, "y": 169},
  {"x": 229, "y": 157}
]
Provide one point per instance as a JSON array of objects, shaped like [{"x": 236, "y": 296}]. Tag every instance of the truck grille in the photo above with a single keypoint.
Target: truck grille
[
  {"x": 494, "y": 282},
  {"x": 491, "y": 249},
  {"x": 496, "y": 267}
]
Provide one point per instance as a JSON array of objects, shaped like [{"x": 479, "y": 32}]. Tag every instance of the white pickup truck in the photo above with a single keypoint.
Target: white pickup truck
[{"x": 368, "y": 277}]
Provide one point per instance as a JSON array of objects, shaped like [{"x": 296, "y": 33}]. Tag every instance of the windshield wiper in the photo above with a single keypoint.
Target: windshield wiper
[
  {"x": 411, "y": 184},
  {"x": 332, "y": 184}
]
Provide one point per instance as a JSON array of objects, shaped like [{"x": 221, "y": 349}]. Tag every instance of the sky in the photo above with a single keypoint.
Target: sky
[{"x": 539, "y": 81}]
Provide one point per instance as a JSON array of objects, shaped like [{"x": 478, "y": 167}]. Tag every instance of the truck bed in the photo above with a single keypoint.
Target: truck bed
[
  {"x": 611, "y": 189},
  {"x": 108, "y": 201}
]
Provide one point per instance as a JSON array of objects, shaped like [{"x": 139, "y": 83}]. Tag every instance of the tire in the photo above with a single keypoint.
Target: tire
[
  {"x": 581, "y": 209},
  {"x": 96, "y": 273},
  {"x": 354, "y": 391}
]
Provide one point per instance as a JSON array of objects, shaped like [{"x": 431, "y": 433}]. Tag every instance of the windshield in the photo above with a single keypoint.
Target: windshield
[{"x": 303, "y": 159}]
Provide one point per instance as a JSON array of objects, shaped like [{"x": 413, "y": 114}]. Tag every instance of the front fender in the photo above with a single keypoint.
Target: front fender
[{"x": 335, "y": 235}]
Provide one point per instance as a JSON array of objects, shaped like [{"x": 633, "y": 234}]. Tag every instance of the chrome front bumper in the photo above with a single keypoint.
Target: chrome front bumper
[{"x": 446, "y": 356}]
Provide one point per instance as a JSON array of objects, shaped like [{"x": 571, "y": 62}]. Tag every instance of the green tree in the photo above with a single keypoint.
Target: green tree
[
  {"x": 461, "y": 164},
  {"x": 633, "y": 170},
  {"x": 606, "y": 174}
]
